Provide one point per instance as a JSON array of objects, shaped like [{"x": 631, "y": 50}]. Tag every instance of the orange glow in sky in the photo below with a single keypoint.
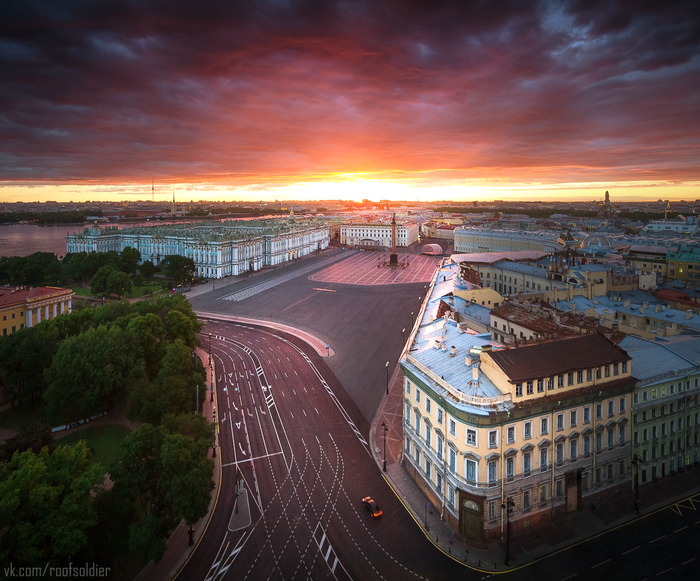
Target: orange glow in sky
[{"x": 357, "y": 99}]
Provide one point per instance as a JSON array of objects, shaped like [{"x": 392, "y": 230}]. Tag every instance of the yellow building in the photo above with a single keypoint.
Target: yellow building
[
  {"x": 21, "y": 307},
  {"x": 543, "y": 426}
]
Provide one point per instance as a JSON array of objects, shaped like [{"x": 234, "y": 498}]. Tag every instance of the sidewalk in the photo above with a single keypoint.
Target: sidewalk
[
  {"x": 178, "y": 549},
  {"x": 527, "y": 546}
]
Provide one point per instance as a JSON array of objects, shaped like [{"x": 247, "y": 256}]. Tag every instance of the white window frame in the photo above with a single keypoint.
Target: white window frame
[{"x": 475, "y": 439}]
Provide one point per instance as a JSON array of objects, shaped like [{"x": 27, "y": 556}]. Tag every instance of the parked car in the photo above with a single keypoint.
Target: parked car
[{"x": 372, "y": 507}]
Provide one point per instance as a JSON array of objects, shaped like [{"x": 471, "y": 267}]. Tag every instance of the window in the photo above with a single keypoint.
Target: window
[
  {"x": 427, "y": 405},
  {"x": 573, "y": 418},
  {"x": 589, "y": 375},
  {"x": 471, "y": 471},
  {"x": 518, "y": 390},
  {"x": 570, "y": 379},
  {"x": 428, "y": 466},
  {"x": 573, "y": 450},
  {"x": 417, "y": 395},
  {"x": 611, "y": 408},
  {"x": 645, "y": 435},
  {"x": 663, "y": 429},
  {"x": 544, "y": 459},
  {"x": 544, "y": 426},
  {"x": 527, "y": 463},
  {"x": 599, "y": 441},
  {"x": 579, "y": 377},
  {"x": 493, "y": 438},
  {"x": 560, "y": 381},
  {"x": 527, "y": 427},
  {"x": 492, "y": 471},
  {"x": 510, "y": 467},
  {"x": 623, "y": 405},
  {"x": 543, "y": 493},
  {"x": 611, "y": 437},
  {"x": 408, "y": 387},
  {"x": 452, "y": 427},
  {"x": 471, "y": 437},
  {"x": 540, "y": 385},
  {"x": 645, "y": 395},
  {"x": 624, "y": 367},
  {"x": 599, "y": 411},
  {"x": 453, "y": 459},
  {"x": 439, "y": 446},
  {"x": 560, "y": 454},
  {"x": 598, "y": 373},
  {"x": 560, "y": 488},
  {"x": 439, "y": 416},
  {"x": 530, "y": 388},
  {"x": 511, "y": 434},
  {"x": 586, "y": 415},
  {"x": 560, "y": 422},
  {"x": 616, "y": 369},
  {"x": 611, "y": 471},
  {"x": 586, "y": 445},
  {"x": 550, "y": 383},
  {"x": 526, "y": 499},
  {"x": 492, "y": 509},
  {"x": 623, "y": 435},
  {"x": 451, "y": 496},
  {"x": 416, "y": 416}
]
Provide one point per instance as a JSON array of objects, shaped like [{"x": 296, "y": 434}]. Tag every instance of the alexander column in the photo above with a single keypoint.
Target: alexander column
[{"x": 393, "y": 259}]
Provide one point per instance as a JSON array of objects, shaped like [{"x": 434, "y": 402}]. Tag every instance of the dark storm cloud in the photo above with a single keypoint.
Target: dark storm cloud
[{"x": 246, "y": 91}]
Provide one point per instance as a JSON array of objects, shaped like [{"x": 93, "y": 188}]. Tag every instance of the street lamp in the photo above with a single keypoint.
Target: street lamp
[
  {"x": 209, "y": 349},
  {"x": 385, "y": 431},
  {"x": 387, "y": 377},
  {"x": 508, "y": 506},
  {"x": 411, "y": 318},
  {"x": 403, "y": 336},
  {"x": 211, "y": 382},
  {"x": 635, "y": 462}
]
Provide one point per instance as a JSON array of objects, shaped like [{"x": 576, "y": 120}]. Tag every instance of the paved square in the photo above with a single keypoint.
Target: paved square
[{"x": 365, "y": 268}]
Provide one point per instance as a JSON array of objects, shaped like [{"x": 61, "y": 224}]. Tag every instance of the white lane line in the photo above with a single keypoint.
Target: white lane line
[
  {"x": 251, "y": 459},
  {"x": 569, "y": 577},
  {"x": 657, "y": 539},
  {"x": 688, "y": 561},
  {"x": 631, "y": 550},
  {"x": 666, "y": 571},
  {"x": 681, "y": 529},
  {"x": 599, "y": 564}
]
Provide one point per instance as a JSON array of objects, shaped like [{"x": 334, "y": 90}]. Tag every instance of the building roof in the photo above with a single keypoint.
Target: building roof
[
  {"x": 13, "y": 296},
  {"x": 491, "y": 257},
  {"x": 558, "y": 357}
]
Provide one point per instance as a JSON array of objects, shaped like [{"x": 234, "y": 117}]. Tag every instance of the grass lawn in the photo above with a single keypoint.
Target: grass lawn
[
  {"x": 104, "y": 440},
  {"x": 137, "y": 292},
  {"x": 14, "y": 419}
]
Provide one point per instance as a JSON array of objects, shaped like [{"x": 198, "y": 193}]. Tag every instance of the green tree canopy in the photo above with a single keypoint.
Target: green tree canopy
[
  {"x": 100, "y": 280},
  {"x": 119, "y": 284},
  {"x": 91, "y": 373},
  {"x": 178, "y": 268},
  {"x": 23, "y": 357},
  {"x": 129, "y": 259},
  {"x": 46, "y": 505}
]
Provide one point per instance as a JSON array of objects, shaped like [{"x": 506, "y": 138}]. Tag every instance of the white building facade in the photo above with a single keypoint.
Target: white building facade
[
  {"x": 470, "y": 239},
  {"x": 218, "y": 249},
  {"x": 378, "y": 234}
]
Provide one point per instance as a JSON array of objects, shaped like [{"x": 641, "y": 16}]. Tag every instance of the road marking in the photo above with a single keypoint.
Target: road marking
[
  {"x": 251, "y": 459},
  {"x": 599, "y": 564},
  {"x": 657, "y": 539},
  {"x": 291, "y": 414},
  {"x": 631, "y": 550},
  {"x": 569, "y": 577},
  {"x": 688, "y": 561},
  {"x": 666, "y": 571},
  {"x": 242, "y": 451},
  {"x": 317, "y": 412},
  {"x": 303, "y": 410},
  {"x": 681, "y": 529}
]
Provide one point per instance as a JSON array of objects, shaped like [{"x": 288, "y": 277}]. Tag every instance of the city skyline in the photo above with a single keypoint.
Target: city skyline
[{"x": 349, "y": 100}]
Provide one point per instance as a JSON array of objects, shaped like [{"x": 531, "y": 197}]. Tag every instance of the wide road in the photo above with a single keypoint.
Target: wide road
[{"x": 294, "y": 458}]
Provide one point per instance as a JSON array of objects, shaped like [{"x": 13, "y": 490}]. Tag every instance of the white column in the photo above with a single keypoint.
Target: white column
[
  {"x": 38, "y": 315},
  {"x": 55, "y": 305},
  {"x": 29, "y": 317},
  {"x": 46, "y": 312},
  {"x": 69, "y": 306}
]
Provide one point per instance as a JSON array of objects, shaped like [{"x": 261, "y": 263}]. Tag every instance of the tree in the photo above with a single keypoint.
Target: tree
[
  {"x": 178, "y": 268},
  {"x": 91, "y": 373},
  {"x": 170, "y": 477},
  {"x": 34, "y": 438},
  {"x": 46, "y": 504},
  {"x": 129, "y": 260},
  {"x": 147, "y": 269},
  {"x": 119, "y": 284},
  {"x": 100, "y": 280},
  {"x": 23, "y": 357}
]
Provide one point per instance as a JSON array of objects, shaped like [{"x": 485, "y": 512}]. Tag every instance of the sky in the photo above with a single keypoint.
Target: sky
[{"x": 323, "y": 99}]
